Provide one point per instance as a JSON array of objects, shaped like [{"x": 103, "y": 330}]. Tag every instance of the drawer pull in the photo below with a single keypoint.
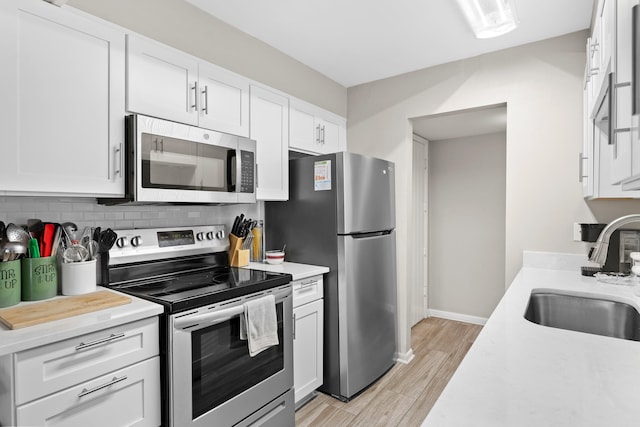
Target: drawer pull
[
  {"x": 115, "y": 380},
  {"x": 99, "y": 341},
  {"x": 309, "y": 283}
]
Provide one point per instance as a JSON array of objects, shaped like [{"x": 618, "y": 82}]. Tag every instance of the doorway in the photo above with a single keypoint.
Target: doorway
[{"x": 465, "y": 222}]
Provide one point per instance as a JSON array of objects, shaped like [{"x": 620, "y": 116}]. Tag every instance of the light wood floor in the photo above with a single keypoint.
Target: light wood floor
[{"x": 405, "y": 395}]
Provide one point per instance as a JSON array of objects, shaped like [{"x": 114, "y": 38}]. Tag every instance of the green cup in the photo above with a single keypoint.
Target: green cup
[
  {"x": 39, "y": 278},
  {"x": 9, "y": 283}
]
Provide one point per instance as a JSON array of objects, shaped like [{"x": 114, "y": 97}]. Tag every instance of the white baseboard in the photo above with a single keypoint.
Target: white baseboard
[
  {"x": 457, "y": 317},
  {"x": 405, "y": 358}
]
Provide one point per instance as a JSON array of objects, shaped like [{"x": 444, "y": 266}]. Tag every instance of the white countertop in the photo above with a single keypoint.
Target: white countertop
[
  {"x": 15, "y": 340},
  {"x": 518, "y": 373},
  {"x": 298, "y": 271}
]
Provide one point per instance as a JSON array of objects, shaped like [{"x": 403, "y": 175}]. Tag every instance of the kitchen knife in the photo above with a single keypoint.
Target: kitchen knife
[{"x": 234, "y": 229}]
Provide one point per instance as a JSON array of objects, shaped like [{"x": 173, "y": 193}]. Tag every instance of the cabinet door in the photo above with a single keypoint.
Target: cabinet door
[
  {"x": 62, "y": 104},
  {"x": 224, "y": 100},
  {"x": 126, "y": 397},
  {"x": 307, "y": 348},
  {"x": 304, "y": 134},
  {"x": 161, "y": 81},
  {"x": 269, "y": 127},
  {"x": 314, "y": 130},
  {"x": 331, "y": 136},
  {"x": 46, "y": 369}
]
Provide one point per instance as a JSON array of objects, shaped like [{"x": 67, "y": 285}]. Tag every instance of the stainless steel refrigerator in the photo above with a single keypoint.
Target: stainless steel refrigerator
[{"x": 341, "y": 214}]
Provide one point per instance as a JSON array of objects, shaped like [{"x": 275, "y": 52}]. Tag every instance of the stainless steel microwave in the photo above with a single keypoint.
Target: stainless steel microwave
[{"x": 168, "y": 162}]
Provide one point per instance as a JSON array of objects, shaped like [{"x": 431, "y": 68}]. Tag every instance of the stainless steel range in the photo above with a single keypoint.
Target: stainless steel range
[{"x": 208, "y": 376}]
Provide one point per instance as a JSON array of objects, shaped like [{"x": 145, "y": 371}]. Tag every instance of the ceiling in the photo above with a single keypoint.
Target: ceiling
[
  {"x": 462, "y": 124},
  {"x": 359, "y": 41}
]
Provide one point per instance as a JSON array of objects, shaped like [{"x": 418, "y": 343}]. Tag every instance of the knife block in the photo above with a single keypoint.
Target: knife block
[{"x": 237, "y": 257}]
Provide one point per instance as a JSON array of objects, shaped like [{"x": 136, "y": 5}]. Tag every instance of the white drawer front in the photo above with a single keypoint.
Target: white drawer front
[
  {"x": 307, "y": 290},
  {"x": 127, "y": 397},
  {"x": 44, "y": 370}
]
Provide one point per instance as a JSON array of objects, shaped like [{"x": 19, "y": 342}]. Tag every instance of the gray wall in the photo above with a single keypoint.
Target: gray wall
[
  {"x": 185, "y": 27},
  {"x": 466, "y": 224},
  {"x": 541, "y": 84}
]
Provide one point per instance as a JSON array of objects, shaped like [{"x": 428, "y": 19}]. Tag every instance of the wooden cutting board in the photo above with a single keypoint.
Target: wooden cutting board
[{"x": 60, "y": 308}]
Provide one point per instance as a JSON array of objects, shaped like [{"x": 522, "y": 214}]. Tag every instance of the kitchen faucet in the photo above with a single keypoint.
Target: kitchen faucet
[{"x": 599, "y": 252}]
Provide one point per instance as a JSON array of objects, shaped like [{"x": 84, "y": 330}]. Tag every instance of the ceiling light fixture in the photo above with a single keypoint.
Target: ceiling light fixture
[{"x": 489, "y": 18}]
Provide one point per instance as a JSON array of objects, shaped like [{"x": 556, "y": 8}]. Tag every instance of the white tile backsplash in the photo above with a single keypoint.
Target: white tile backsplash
[{"x": 88, "y": 213}]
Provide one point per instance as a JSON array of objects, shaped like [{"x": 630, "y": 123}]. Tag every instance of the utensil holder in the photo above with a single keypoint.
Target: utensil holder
[
  {"x": 39, "y": 278},
  {"x": 78, "y": 277},
  {"x": 10, "y": 283},
  {"x": 237, "y": 257}
]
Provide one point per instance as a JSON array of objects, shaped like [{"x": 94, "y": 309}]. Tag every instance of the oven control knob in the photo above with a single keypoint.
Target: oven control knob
[
  {"x": 200, "y": 236},
  {"x": 220, "y": 235},
  {"x": 209, "y": 235},
  {"x": 136, "y": 241},
  {"x": 122, "y": 242}
]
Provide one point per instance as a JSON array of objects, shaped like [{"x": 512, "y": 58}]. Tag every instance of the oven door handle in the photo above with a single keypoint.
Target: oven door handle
[{"x": 192, "y": 323}]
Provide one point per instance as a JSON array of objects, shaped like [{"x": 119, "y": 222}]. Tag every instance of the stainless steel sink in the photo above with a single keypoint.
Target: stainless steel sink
[{"x": 584, "y": 314}]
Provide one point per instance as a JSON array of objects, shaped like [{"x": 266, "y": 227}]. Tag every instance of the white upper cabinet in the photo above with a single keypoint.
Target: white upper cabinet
[
  {"x": 62, "y": 106},
  {"x": 314, "y": 130},
  {"x": 167, "y": 83},
  {"x": 269, "y": 113},
  {"x": 161, "y": 81}
]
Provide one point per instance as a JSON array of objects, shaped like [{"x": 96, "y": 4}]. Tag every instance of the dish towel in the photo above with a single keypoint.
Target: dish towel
[{"x": 259, "y": 324}]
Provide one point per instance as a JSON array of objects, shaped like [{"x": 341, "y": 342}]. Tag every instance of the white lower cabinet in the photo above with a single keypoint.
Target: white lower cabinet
[
  {"x": 126, "y": 397},
  {"x": 308, "y": 316},
  {"x": 109, "y": 377}
]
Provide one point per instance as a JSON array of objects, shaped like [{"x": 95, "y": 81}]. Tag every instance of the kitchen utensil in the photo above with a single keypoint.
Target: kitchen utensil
[
  {"x": 13, "y": 251},
  {"x": 47, "y": 239},
  {"x": 36, "y": 229},
  {"x": 70, "y": 232},
  {"x": 57, "y": 238},
  {"x": 34, "y": 249},
  {"x": 107, "y": 239},
  {"x": 18, "y": 234},
  {"x": 75, "y": 253}
]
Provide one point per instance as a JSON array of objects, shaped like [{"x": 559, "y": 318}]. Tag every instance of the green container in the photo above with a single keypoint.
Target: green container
[
  {"x": 39, "y": 278},
  {"x": 9, "y": 283}
]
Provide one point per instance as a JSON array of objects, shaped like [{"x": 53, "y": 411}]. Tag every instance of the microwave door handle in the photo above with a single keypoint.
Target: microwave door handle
[{"x": 231, "y": 170}]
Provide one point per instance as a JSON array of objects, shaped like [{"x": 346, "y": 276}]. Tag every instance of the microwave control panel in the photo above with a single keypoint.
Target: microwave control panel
[{"x": 247, "y": 178}]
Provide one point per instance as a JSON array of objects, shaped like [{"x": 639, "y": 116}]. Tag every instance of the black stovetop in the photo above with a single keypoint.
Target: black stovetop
[{"x": 185, "y": 283}]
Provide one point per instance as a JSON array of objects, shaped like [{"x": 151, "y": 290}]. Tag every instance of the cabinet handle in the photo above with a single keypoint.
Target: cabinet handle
[
  {"x": 205, "y": 92},
  {"x": 581, "y": 174},
  {"x": 119, "y": 154},
  {"x": 162, "y": 145},
  {"x": 308, "y": 283},
  {"x": 318, "y": 134},
  {"x": 612, "y": 109},
  {"x": 115, "y": 380},
  {"x": 294, "y": 326},
  {"x": 322, "y": 134},
  {"x": 195, "y": 96},
  {"x": 99, "y": 341},
  {"x": 635, "y": 68}
]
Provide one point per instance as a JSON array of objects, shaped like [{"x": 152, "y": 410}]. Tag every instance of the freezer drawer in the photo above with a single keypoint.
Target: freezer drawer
[{"x": 367, "y": 309}]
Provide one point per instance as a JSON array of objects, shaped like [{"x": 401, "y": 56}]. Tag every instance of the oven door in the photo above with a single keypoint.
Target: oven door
[{"x": 213, "y": 380}]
